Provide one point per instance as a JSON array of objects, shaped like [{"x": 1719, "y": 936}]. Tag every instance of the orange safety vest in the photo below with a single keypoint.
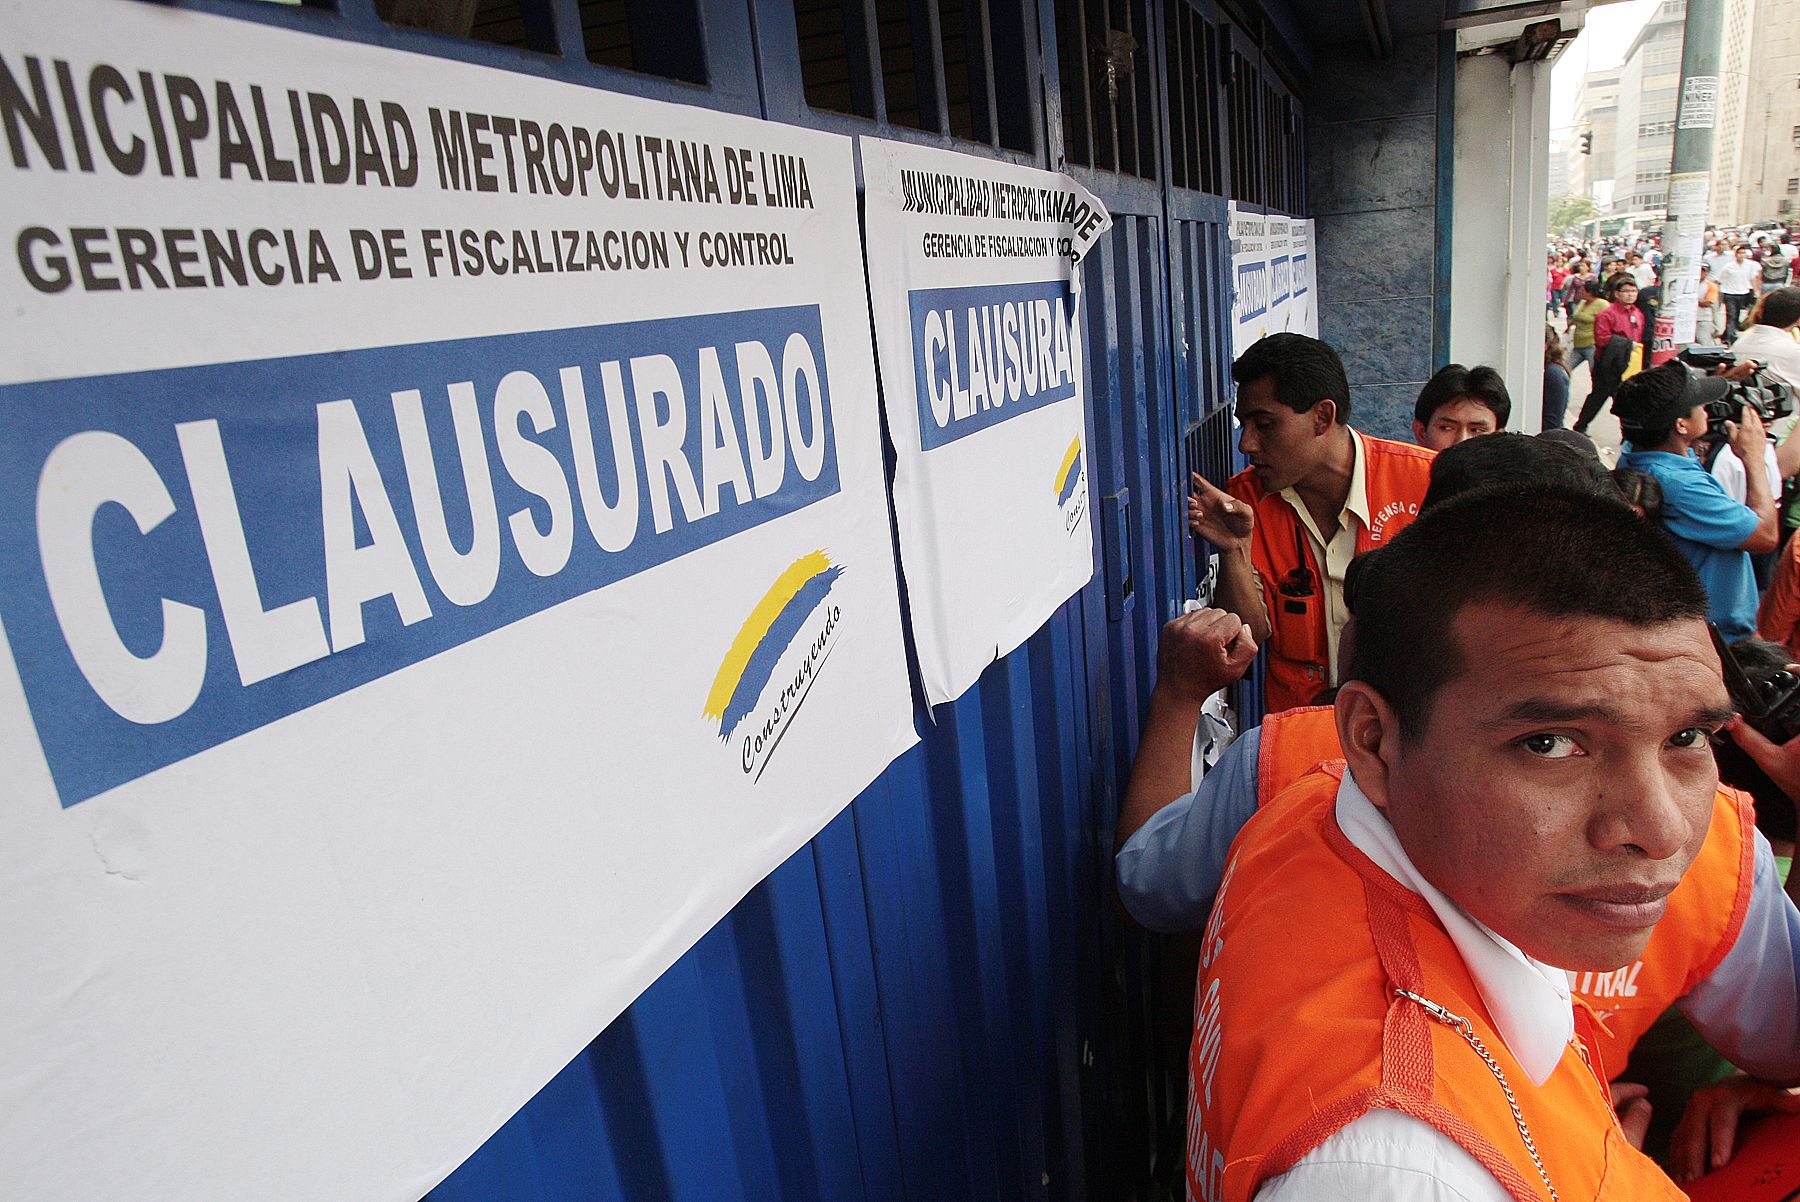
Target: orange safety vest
[
  {"x": 1395, "y": 476},
  {"x": 1299, "y": 1030},
  {"x": 1705, "y": 914}
]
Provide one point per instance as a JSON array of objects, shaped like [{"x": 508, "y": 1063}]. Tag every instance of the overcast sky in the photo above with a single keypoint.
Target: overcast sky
[{"x": 1603, "y": 42}]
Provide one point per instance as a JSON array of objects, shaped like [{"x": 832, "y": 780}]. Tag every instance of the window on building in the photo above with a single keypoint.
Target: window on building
[
  {"x": 1797, "y": 135},
  {"x": 946, "y": 67},
  {"x": 1109, "y": 116},
  {"x": 1793, "y": 186},
  {"x": 1193, "y": 58},
  {"x": 648, "y": 36}
]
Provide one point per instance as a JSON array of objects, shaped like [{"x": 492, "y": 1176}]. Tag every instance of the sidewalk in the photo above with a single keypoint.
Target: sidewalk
[{"x": 1604, "y": 429}]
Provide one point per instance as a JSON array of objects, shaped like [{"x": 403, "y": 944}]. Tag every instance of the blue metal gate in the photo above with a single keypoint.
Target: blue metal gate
[{"x": 937, "y": 998}]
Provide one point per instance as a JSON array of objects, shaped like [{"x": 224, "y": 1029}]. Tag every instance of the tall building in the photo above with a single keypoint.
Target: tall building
[
  {"x": 1595, "y": 124},
  {"x": 1648, "y": 84},
  {"x": 1756, "y": 154}
]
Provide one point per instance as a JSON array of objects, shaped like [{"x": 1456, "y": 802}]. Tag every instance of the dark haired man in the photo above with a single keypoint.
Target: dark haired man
[
  {"x": 1459, "y": 403},
  {"x": 1172, "y": 846},
  {"x": 1525, "y": 721},
  {"x": 1315, "y": 494},
  {"x": 1662, "y": 413},
  {"x": 1770, "y": 342},
  {"x": 1737, "y": 288}
]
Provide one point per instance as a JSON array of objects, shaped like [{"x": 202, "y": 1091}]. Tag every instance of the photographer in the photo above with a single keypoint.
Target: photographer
[
  {"x": 1663, "y": 412},
  {"x": 1770, "y": 342}
]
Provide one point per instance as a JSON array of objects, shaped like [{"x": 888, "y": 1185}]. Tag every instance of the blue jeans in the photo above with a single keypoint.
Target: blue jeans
[{"x": 1579, "y": 355}]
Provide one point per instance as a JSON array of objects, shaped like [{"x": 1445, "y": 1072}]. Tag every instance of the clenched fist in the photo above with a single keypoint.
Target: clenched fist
[{"x": 1202, "y": 652}]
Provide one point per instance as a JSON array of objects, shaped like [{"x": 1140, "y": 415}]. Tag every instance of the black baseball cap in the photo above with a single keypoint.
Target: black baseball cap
[{"x": 1655, "y": 398}]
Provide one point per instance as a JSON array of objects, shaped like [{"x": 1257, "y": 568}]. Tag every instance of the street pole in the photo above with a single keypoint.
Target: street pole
[{"x": 1690, "y": 176}]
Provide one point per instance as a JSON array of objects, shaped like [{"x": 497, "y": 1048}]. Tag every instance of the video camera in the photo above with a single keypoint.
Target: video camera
[
  {"x": 1770, "y": 397},
  {"x": 1772, "y": 705}
]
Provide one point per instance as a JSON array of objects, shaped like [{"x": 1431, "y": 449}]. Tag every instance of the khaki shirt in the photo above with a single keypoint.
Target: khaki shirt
[{"x": 1334, "y": 556}]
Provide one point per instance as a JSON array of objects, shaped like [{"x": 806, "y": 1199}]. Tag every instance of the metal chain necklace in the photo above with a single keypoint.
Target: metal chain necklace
[{"x": 1466, "y": 1029}]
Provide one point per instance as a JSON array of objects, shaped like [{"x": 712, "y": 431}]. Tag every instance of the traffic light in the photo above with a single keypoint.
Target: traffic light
[{"x": 1587, "y": 143}]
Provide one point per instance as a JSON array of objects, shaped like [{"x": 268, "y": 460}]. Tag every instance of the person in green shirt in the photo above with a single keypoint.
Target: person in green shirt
[{"x": 1581, "y": 325}]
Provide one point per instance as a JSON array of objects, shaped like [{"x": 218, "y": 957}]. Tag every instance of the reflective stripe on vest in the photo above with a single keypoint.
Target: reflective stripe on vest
[{"x": 1298, "y": 1030}]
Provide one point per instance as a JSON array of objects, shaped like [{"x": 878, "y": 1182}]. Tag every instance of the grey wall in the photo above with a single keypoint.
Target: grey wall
[{"x": 1372, "y": 136}]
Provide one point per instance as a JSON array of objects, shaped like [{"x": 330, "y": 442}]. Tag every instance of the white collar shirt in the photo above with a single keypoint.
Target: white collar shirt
[
  {"x": 1735, "y": 278},
  {"x": 1772, "y": 348}
]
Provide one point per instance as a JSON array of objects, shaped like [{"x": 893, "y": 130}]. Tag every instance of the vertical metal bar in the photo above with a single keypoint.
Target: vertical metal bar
[
  {"x": 862, "y": 1009},
  {"x": 979, "y": 50},
  {"x": 919, "y": 1007},
  {"x": 1214, "y": 102},
  {"x": 540, "y": 25},
  {"x": 1106, "y": 118},
  {"x": 1129, "y": 147},
  {"x": 1445, "y": 201},
  {"x": 1173, "y": 58},
  {"x": 1018, "y": 67},
  {"x": 928, "y": 66},
  {"x": 565, "y": 20},
  {"x": 862, "y": 53},
  {"x": 1077, "y": 80},
  {"x": 1147, "y": 84},
  {"x": 1188, "y": 133}
]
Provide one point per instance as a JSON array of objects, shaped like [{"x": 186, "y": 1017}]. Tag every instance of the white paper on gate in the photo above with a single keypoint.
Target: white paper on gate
[
  {"x": 1281, "y": 272},
  {"x": 970, "y": 270},
  {"x": 1252, "y": 279},
  {"x": 399, "y": 673},
  {"x": 1303, "y": 305}
]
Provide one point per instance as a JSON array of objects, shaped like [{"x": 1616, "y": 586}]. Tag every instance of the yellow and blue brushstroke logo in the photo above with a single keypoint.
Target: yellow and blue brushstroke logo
[
  {"x": 1070, "y": 474},
  {"x": 765, "y": 635}
]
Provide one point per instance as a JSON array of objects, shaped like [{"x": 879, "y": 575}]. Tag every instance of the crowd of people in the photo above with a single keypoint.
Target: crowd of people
[{"x": 1476, "y": 874}]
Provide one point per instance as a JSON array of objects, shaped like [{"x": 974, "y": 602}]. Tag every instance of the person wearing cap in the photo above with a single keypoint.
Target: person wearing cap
[{"x": 1662, "y": 414}]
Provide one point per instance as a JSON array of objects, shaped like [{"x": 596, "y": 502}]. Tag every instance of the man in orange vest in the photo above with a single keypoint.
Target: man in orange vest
[
  {"x": 1171, "y": 843},
  {"x": 1383, "y": 1009},
  {"x": 1316, "y": 493}
]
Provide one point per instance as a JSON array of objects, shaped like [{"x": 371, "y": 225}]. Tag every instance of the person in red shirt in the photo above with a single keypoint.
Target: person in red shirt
[
  {"x": 1620, "y": 319},
  {"x": 1622, "y": 316}
]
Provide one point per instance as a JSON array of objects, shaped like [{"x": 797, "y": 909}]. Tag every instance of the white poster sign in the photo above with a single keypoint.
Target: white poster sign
[
  {"x": 1689, "y": 194},
  {"x": 971, "y": 266},
  {"x": 1252, "y": 280},
  {"x": 1699, "y": 101},
  {"x": 1303, "y": 300},
  {"x": 1281, "y": 270},
  {"x": 444, "y": 564}
]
